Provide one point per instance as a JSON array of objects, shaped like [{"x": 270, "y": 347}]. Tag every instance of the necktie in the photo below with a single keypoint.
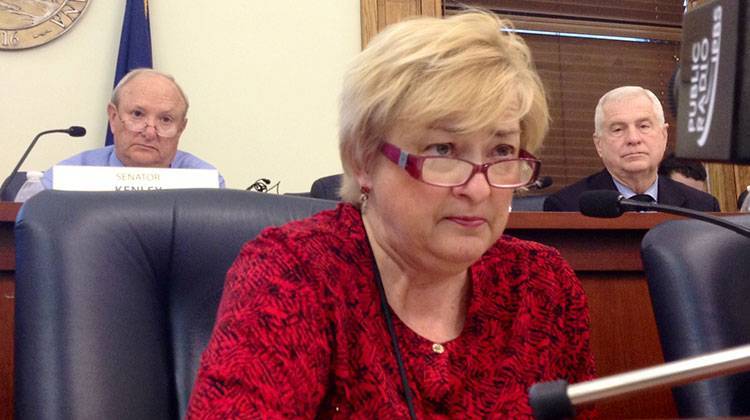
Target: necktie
[{"x": 643, "y": 197}]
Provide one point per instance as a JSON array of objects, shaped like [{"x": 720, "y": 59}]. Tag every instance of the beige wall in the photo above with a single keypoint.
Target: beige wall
[{"x": 262, "y": 76}]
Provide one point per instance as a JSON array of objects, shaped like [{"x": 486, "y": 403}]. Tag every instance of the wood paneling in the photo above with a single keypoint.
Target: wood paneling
[
  {"x": 726, "y": 182},
  {"x": 7, "y": 290},
  {"x": 8, "y": 213},
  {"x": 742, "y": 181},
  {"x": 432, "y": 7},
  {"x": 377, "y": 14}
]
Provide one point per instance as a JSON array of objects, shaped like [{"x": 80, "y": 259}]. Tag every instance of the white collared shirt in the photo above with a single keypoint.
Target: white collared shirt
[{"x": 653, "y": 190}]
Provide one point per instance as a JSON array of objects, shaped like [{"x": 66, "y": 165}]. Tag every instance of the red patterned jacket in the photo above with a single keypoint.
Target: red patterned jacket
[{"x": 300, "y": 333}]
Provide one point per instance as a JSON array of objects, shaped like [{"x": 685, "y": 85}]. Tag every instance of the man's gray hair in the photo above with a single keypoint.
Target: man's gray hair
[
  {"x": 142, "y": 71},
  {"x": 621, "y": 93}
]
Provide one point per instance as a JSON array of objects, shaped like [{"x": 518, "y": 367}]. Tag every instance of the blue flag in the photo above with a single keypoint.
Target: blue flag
[{"x": 135, "y": 44}]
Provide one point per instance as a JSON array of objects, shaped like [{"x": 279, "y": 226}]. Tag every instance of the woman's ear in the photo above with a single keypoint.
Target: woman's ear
[{"x": 364, "y": 179}]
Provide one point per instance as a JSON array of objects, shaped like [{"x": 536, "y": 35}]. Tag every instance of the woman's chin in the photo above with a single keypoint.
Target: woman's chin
[{"x": 464, "y": 251}]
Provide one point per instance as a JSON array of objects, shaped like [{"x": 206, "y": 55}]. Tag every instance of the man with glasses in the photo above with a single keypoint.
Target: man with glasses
[
  {"x": 630, "y": 136},
  {"x": 147, "y": 115}
]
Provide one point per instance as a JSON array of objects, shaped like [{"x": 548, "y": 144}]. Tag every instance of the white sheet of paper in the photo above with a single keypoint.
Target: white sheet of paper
[{"x": 107, "y": 178}]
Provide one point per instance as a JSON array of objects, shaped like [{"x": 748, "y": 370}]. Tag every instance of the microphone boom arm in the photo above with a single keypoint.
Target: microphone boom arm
[
  {"x": 680, "y": 211},
  {"x": 25, "y": 155},
  {"x": 557, "y": 399},
  {"x": 74, "y": 131}
]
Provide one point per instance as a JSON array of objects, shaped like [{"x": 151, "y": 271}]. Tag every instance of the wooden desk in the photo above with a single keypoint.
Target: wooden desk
[
  {"x": 605, "y": 253},
  {"x": 7, "y": 288}
]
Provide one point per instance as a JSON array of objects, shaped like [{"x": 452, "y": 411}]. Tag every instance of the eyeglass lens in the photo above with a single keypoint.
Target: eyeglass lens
[
  {"x": 444, "y": 171},
  {"x": 164, "y": 128}
]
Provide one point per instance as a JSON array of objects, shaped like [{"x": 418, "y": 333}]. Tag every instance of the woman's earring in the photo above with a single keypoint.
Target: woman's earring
[{"x": 363, "y": 197}]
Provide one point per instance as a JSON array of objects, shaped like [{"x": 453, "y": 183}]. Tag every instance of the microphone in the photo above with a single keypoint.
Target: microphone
[
  {"x": 610, "y": 204},
  {"x": 74, "y": 131},
  {"x": 541, "y": 183},
  {"x": 261, "y": 185}
]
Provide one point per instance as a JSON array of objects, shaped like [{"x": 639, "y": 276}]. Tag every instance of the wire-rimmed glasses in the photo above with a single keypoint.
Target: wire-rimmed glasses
[{"x": 138, "y": 122}]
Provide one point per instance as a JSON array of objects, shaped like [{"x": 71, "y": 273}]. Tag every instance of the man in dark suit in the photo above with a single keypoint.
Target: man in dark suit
[{"x": 630, "y": 137}]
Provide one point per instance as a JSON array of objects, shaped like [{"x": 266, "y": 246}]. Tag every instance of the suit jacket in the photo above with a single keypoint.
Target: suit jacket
[{"x": 670, "y": 192}]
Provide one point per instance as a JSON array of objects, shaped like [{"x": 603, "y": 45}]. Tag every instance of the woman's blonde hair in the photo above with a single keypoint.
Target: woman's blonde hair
[{"x": 467, "y": 68}]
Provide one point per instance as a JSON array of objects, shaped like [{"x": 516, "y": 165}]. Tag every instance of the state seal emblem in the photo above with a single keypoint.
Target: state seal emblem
[{"x": 31, "y": 23}]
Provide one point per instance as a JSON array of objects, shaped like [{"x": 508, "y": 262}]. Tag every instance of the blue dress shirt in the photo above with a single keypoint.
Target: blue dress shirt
[{"x": 626, "y": 192}]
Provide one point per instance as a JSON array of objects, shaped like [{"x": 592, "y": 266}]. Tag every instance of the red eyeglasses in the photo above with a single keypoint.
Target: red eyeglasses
[{"x": 443, "y": 171}]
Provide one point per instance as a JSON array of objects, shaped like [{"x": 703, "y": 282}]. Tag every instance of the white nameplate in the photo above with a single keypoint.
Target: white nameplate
[{"x": 107, "y": 178}]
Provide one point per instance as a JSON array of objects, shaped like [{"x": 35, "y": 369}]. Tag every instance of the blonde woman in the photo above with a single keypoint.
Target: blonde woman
[{"x": 406, "y": 300}]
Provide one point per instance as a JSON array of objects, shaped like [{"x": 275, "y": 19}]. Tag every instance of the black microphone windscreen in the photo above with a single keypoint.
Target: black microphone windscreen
[
  {"x": 600, "y": 203},
  {"x": 543, "y": 182},
  {"x": 77, "y": 131}
]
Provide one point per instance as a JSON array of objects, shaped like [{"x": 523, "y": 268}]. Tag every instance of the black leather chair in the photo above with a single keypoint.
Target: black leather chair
[
  {"x": 14, "y": 184},
  {"x": 528, "y": 202},
  {"x": 699, "y": 280},
  {"x": 327, "y": 188},
  {"x": 116, "y": 295}
]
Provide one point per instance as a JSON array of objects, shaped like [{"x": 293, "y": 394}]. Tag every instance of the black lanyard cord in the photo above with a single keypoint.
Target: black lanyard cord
[{"x": 394, "y": 342}]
